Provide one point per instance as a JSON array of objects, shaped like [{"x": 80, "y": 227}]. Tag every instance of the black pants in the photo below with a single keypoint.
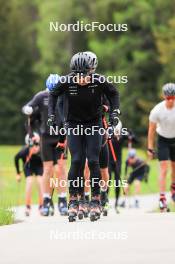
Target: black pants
[
  {"x": 116, "y": 168},
  {"x": 81, "y": 147}
]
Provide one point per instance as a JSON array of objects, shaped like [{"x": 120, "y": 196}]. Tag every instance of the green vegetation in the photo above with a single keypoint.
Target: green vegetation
[
  {"x": 6, "y": 215},
  {"x": 13, "y": 192}
]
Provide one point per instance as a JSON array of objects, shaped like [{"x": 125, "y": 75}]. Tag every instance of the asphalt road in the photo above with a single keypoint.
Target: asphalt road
[{"x": 135, "y": 236}]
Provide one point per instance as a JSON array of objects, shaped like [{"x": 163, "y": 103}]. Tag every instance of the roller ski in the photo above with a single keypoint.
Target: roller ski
[
  {"x": 72, "y": 210},
  {"x": 62, "y": 206},
  {"x": 163, "y": 204},
  {"x": 27, "y": 210},
  {"x": 48, "y": 207},
  {"x": 82, "y": 210},
  {"x": 95, "y": 210},
  {"x": 104, "y": 203},
  {"x": 173, "y": 192}
]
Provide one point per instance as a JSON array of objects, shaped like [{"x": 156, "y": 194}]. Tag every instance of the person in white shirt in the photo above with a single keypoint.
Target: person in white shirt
[{"x": 162, "y": 121}]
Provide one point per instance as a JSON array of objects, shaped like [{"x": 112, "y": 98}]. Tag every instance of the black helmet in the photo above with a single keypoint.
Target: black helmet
[
  {"x": 83, "y": 62},
  {"x": 169, "y": 89}
]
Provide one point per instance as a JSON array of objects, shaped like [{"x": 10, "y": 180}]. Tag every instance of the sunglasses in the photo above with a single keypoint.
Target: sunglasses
[{"x": 170, "y": 97}]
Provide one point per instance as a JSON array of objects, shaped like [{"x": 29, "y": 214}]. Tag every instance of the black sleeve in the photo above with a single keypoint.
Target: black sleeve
[
  {"x": 35, "y": 103},
  {"x": 53, "y": 97},
  {"x": 60, "y": 104},
  {"x": 112, "y": 95},
  {"x": 36, "y": 100},
  {"x": 22, "y": 154}
]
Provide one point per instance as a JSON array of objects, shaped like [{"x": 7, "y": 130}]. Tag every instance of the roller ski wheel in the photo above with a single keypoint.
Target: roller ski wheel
[
  {"x": 104, "y": 203},
  {"x": 73, "y": 210},
  {"x": 62, "y": 206},
  {"x": 27, "y": 211},
  {"x": 165, "y": 210},
  {"x": 86, "y": 214},
  {"x": 105, "y": 210},
  {"x": 163, "y": 204},
  {"x": 83, "y": 210},
  {"x": 72, "y": 217},
  {"x": 51, "y": 211},
  {"x": 95, "y": 210},
  {"x": 80, "y": 215}
]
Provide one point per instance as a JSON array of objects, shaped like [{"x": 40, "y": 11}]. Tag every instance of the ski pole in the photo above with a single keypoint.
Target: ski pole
[{"x": 112, "y": 150}]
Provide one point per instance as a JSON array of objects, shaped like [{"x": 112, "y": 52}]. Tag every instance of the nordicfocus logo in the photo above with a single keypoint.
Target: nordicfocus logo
[
  {"x": 79, "y": 234},
  {"x": 93, "y": 79},
  {"x": 81, "y": 182},
  {"x": 81, "y": 26},
  {"x": 80, "y": 130}
]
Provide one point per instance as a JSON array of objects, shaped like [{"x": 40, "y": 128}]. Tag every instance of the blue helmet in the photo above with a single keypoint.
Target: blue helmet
[{"x": 131, "y": 153}]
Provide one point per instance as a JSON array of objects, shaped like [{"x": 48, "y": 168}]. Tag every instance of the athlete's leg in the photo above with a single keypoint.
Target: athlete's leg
[
  {"x": 137, "y": 185},
  {"x": 93, "y": 152},
  {"x": 47, "y": 174},
  {"x": 173, "y": 171},
  {"x": 39, "y": 181},
  {"x": 162, "y": 175},
  {"x": 76, "y": 147},
  {"x": 173, "y": 180},
  {"x": 105, "y": 178},
  {"x": 47, "y": 154},
  {"x": 87, "y": 179},
  {"x": 61, "y": 174},
  {"x": 28, "y": 190}
]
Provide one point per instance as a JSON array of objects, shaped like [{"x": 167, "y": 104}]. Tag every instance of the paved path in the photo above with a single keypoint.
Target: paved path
[{"x": 135, "y": 236}]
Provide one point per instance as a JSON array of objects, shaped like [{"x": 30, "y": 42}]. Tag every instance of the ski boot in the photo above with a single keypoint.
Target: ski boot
[
  {"x": 51, "y": 209},
  {"x": 82, "y": 209},
  {"x": 95, "y": 210},
  {"x": 163, "y": 204},
  {"x": 173, "y": 191},
  {"x": 104, "y": 203},
  {"x": 62, "y": 206},
  {"x": 72, "y": 210},
  {"x": 48, "y": 207},
  {"x": 123, "y": 204},
  {"x": 136, "y": 203},
  {"x": 27, "y": 210},
  {"x": 40, "y": 207}
]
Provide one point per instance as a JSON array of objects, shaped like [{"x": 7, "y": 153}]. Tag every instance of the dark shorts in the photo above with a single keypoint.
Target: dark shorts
[
  {"x": 138, "y": 174},
  {"x": 33, "y": 171},
  {"x": 166, "y": 148},
  {"x": 49, "y": 152}
]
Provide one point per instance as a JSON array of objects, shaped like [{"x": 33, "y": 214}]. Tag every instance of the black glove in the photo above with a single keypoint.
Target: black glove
[
  {"x": 51, "y": 120},
  {"x": 114, "y": 119}
]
